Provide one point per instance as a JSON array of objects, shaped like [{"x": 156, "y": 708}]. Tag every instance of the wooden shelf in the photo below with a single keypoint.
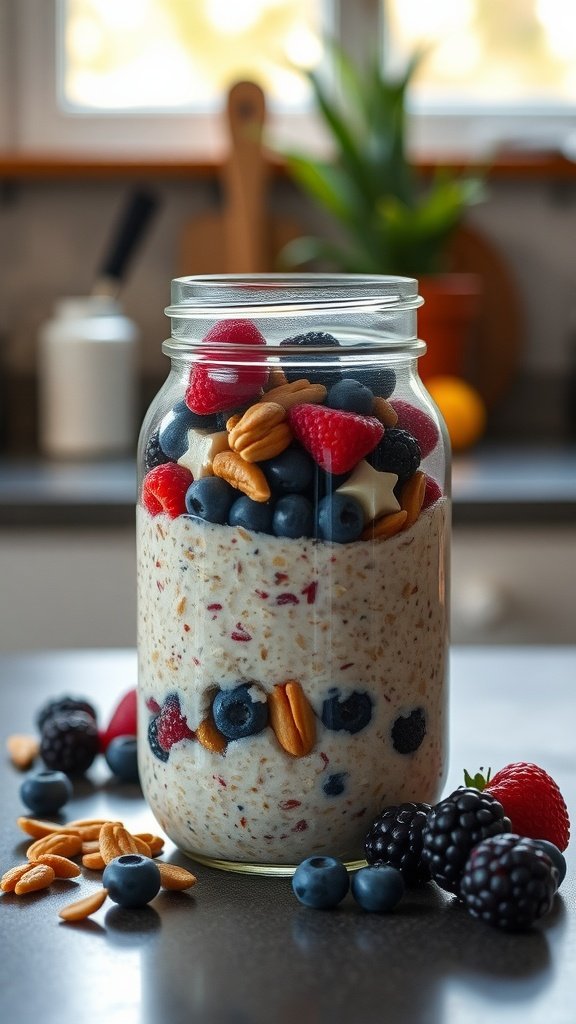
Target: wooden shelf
[{"x": 15, "y": 167}]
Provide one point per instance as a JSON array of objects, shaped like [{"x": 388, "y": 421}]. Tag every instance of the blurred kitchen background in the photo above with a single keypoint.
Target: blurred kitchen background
[{"x": 123, "y": 164}]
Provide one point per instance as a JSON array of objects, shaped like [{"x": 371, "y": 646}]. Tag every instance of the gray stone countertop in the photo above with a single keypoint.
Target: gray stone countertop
[{"x": 490, "y": 485}]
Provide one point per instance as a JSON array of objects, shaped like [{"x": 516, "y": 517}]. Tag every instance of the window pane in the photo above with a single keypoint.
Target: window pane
[
  {"x": 122, "y": 55},
  {"x": 487, "y": 52}
]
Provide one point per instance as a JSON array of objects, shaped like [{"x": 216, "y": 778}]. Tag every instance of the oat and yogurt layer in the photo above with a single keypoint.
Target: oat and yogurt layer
[{"x": 359, "y": 628}]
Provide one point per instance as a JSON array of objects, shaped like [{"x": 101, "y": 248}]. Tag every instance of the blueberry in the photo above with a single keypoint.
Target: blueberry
[
  {"x": 240, "y": 712},
  {"x": 316, "y": 374},
  {"x": 349, "y": 715},
  {"x": 291, "y": 472},
  {"x": 131, "y": 880},
  {"x": 381, "y": 381},
  {"x": 252, "y": 515},
  {"x": 293, "y": 517},
  {"x": 122, "y": 758},
  {"x": 173, "y": 430},
  {"x": 210, "y": 498},
  {"x": 46, "y": 792},
  {"x": 340, "y": 518},
  {"x": 153, "y": 741},
  {"x": 409, "y": 731},
  {"x": 556, "y": 856},
  {"x": 320, "y": 882},
  {"x": 398, "y": 452},
  {"x": 63, "y": 704},
  {"x": 377, "y": 889},
  {"x": 326, "y": 483},
  {"x": 351, "y": 396},
  {"x": 335, "y": 784}
]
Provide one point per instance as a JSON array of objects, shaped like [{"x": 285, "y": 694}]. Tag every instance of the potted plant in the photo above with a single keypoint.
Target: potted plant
[{"x": 390, "y": 221}]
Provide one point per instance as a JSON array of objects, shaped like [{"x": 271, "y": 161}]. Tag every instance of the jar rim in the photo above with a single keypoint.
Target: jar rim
[{"x": 228, "y": 296}]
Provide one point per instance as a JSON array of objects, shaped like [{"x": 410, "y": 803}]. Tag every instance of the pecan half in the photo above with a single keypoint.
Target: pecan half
[
  {"x": 296, "y": 392},
  {"x": 292, "y": 718},
  {"x": 243, "y": 475},
  {"x": 40, "y": 876},
  {"x": 412, "y": 497},
  {"x": 385, "y": 526},
  {"x": 384, "y": 411},
  {"x": 261, "y": 432}
]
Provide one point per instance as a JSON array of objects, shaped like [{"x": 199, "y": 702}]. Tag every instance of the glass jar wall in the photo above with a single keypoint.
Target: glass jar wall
[{"x": 292, "y": 525}]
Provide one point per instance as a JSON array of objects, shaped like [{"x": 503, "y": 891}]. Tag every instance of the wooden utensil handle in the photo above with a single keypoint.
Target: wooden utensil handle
[{"x": 244, "y": 180}]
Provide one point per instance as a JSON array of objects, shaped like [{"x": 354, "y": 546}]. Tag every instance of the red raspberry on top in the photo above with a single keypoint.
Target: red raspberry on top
[
  {"x": 220, "y": 382},
  {"x": 335, "y": 439},
  {"x": 164, "y": 489},
  {"x": 418, "y": 423},
  {"x": 532, "y": 801}
]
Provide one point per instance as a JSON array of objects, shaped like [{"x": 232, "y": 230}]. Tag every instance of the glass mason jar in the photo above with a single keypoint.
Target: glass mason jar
[{"x": 293, "y": 525}]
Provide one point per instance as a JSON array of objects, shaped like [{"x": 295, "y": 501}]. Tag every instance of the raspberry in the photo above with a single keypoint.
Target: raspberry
[
  {"x": 453, "y": 827},
  {"x": 224, "y": 382},
  {"x": 418, "y": 423},
  {"x": 532, "y": 801},
  {"x": 122, "y": 721},
  {"x": 69, "y": 742},
  {"x": 395, "y": 838},
  {"x": 164, "y": 489},
  {"x": 508, "y": 883},
  {"x": 171, "y": 724},
  {"x": 335, "y": 439},
  {"x": 432, "y": 492}
]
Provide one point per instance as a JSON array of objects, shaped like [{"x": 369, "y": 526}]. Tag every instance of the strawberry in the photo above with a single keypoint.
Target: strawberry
[
  {"x": 335, "y": 439},
  {"x": 418, "y": 423},
  {"x": 122, "y": 721},
  {"x": 218, "y": 382},
  {"x": 172, "y": 725},
  {"x": 432, "y": 492},
  {"x": 164, "y": 489},
  {"x": 531, "y": 799}
]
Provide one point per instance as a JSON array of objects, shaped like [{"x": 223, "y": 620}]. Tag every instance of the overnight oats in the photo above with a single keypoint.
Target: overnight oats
[{"x": 292, "y": 529}]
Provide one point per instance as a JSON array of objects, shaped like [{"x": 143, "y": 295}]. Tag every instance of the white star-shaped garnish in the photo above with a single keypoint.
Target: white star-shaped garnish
[
  {"x": 372, "y": 489},
  {"x": 203, "y": 445}
]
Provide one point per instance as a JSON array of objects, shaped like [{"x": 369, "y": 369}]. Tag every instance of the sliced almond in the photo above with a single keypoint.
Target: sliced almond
[
  {"x": 176, "y": 878},
  {"x": 36, "y": 828},
  {"x": 62, "y": 867},
  {"x": 82, "y": 909},
  {"x": 90, "y": 846},
  {"x": 292, "y": 718},
  {"x": 412, "y": 497},
  {"x": 22, "y": 750},
  {"x": 386, "y": 526},
  {"x": 39, "y": 876},
  {"x": 142, "y": 846},
  {"x": 11, "y": 877},
  {"x": 94, "y": 861},
  {"x": 210, "y": 737},
  {"x": 154, "y": 843},
  {"x": 124, "y": 840},
  {"x": 65, "y": 843}
]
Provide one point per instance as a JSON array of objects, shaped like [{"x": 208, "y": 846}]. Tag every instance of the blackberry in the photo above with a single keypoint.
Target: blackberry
[
  {"x": 398, "y": 452},
  {"x": 395, "y": 838},
  {"x": 153, "y": 455},
  {"x": 63, "y": 705},
  {"x": 69, "y": 742},
  {"x": 154, "y": 743},
  {"x": 313, "y": 339},
  {"x": 453, "y": 827},
  {"x": 508, "y": 882}
]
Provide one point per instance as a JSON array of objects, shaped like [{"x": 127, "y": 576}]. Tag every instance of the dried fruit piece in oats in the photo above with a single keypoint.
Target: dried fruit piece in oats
[
  {"x": 82, "y": 909},
  {"x": 39, "y": 876},
  {"x": 173, "y": 877}
]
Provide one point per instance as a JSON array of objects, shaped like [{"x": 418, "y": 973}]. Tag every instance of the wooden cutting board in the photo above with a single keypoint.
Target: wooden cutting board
[{"x": 240, "y": 236}]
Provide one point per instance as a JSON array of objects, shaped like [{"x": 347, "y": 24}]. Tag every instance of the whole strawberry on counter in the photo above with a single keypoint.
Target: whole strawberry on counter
[{"x": 530, "y": 798}]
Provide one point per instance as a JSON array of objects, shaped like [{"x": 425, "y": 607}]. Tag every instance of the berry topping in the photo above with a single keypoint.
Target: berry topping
[
  {"x": 508, "y": 883},
  {"x": 453, "y": 827},
  {"x": 395, "y": 838},
  {"x": 320, "y": 882},
  {"x": 335, "y": 784},
  {"x": 123, "y": 721},
  {"x": 350, "y": 715},
  {"x": 240, "y": 712},
  {"x": 340, "y": 518},
  {"x": 398, "y": 452},
  {"x": 418, "y": 423},
  {"x": 432, "y": 492},
  {"x": 122, "y": 758},
  {"x": 293, "y": 517},
  {"x": 173, "y": 430},
  {"x": 153, "y": 742},
  {"x": 61, "y": 705},
  {"x": 350, "y": 395},
  {"x": 217, "y": 382},
  {"x": 69, "y": 742},
  {"x": 558, "y": 859},
  {"x": 210, "y": 498},
  {"x": 132, "y": 880},
  {"x": 531, "y": 799},
  {"x": 153, "y": 455},
  {"x": 324, "y": 374},
  {"x": 336, "y": 440},
  {"x": 291, "y": 472},
  {"x": 164, "y": 490},
  {"x": 377, "y": 889},
  {"x": 409, "y": 731},
  {"x": 46, "y": 792},
  {"x": 252, "y": 515},
  {"x": 172, "y": 725}
]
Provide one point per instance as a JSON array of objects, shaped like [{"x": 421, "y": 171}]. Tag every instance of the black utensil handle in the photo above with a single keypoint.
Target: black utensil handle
[{"x": 131, "y": 226}]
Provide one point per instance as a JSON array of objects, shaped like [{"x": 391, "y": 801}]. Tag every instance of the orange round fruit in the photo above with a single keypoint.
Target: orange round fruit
[{"x": 462, "y": 408}]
